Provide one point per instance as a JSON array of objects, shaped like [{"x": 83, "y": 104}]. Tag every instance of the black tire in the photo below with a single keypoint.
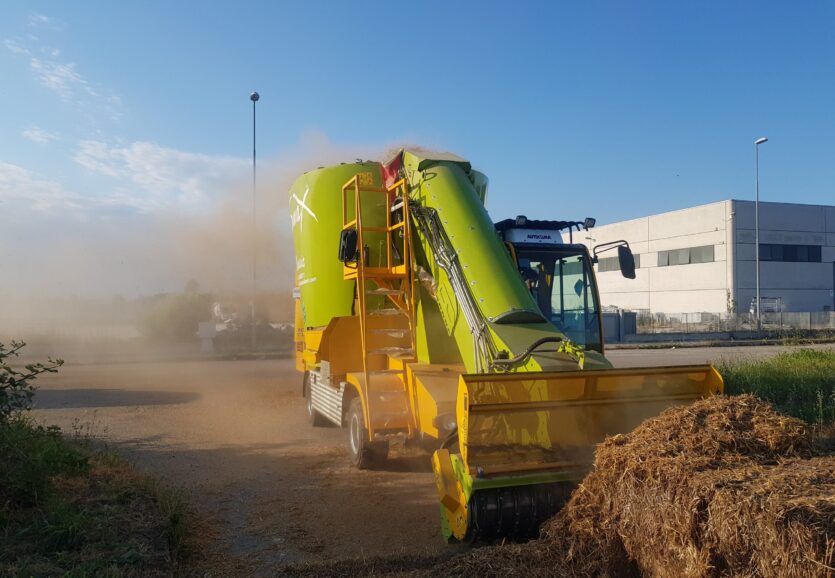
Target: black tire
[
  {"x": 315, "y": 418},
  {"x": 362, "y": 452}
]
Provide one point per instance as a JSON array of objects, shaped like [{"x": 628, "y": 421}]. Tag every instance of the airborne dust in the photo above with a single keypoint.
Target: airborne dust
[{"x": 92, "y": 274}]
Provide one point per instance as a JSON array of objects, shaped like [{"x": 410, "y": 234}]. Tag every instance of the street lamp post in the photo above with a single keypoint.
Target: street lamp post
[
  {"x": 757, "y": 144},
  {"x": 254, "y": 98}
]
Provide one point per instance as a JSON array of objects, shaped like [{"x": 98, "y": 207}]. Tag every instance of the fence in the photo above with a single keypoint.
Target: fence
[{"x": 705, "y": 322}]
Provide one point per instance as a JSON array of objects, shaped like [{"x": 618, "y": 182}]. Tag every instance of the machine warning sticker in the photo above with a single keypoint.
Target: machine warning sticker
[{"x": 366, "y": 179}]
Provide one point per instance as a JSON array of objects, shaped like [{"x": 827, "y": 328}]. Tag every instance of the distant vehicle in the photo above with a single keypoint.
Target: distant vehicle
[{"x": 767, "y": 305}]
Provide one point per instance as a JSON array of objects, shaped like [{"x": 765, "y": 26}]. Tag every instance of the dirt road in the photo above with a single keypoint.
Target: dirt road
[{"x": 234, "y": 435}]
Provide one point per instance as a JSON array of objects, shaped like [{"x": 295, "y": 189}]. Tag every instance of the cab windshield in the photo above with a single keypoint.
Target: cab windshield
[{"x": 561, "y": 283}]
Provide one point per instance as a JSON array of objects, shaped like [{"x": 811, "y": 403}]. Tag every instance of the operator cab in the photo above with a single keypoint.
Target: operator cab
[{"x": 559, "y": 275}]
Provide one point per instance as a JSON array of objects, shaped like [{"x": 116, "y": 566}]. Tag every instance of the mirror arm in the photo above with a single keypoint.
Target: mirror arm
[{"x": 603, "y": 247}]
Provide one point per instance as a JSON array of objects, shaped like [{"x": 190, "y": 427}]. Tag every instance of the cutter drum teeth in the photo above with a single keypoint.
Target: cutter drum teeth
[{"x": 514, "y": 513}]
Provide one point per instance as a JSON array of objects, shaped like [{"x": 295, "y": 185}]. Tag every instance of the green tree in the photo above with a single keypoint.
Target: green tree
[
  {"x": 175, "y": 317},
  {"x": 16, "y": 389}
]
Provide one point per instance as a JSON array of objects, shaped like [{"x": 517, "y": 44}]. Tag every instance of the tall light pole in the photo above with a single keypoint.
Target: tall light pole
[
  {"x": 757, "y": 144},
  {"x": 254, "y": 98}
]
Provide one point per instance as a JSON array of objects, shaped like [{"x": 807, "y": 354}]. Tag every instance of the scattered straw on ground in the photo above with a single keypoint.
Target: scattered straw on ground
[
  {"x": 403, "y": 565},
  {"x": 724, "y": 487}
]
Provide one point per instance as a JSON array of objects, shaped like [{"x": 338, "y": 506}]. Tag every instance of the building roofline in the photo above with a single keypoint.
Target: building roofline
[
  {"x": 781, "y": 203},
  {"x": 664, "y": 213},
  {"x": 712, "y": 203}
]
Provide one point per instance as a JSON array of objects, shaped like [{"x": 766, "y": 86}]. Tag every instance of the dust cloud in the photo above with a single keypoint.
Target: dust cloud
[{"x": 89, "y": 272}]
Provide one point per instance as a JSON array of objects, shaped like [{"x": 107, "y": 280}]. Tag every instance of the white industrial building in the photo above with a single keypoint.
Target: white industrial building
[{"x": 702, "y": 259}]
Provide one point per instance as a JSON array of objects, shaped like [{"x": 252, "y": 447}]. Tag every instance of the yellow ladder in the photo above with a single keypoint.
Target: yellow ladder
[{"x": 391, "y": 278}]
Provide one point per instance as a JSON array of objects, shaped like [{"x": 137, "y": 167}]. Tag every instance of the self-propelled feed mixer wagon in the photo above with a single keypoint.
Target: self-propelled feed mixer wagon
[{"x": 419, "y": 318}]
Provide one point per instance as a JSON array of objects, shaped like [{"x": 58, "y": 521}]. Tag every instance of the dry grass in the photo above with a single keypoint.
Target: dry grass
[{"x": 725, "y": 487}]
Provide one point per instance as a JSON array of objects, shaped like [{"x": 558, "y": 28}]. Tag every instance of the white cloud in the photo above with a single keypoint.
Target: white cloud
[
  {"x": 166, "y": 177},
  {"x": 22, "y": 191},
  {"x": 15, "y": 48},
  {"x": 39, "y": 135},
  {"x": 40, "y": 21},
  {"x": 61, "y": 78}
]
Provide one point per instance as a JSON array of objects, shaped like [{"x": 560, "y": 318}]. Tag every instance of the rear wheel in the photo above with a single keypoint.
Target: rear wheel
[
  {"x": 363, "y": 453},
  {"x": 315, "y": 418}
]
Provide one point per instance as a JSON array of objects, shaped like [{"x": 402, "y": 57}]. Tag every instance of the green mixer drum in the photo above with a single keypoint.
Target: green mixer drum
[{"x": 316, "y": 217}]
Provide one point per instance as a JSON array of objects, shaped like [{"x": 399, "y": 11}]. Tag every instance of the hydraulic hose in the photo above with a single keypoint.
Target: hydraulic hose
[{"x": 527, "y": 353}]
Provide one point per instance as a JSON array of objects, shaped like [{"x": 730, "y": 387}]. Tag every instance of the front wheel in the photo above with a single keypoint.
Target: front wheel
[{"x": 363, "y": 453}]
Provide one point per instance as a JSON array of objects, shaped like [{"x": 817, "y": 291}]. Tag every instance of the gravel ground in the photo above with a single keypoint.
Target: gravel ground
[
  {"x": 273, "y": 489},
  {"x": 234, "y": 435}
]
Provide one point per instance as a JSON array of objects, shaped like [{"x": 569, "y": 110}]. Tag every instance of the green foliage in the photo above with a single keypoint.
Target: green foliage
[
  {"x": 16, "y": 389},
  {"x": 34, "y": 456},
  {"x": 800, "y": 383},
  {"x": 174, "y": 317},
  {"x": 172, "y": 507},
  {"x": 69, "y": 510}
]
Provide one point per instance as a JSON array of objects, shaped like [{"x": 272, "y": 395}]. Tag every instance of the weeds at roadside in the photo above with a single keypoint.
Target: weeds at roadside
[
  {"x": 172, "y": 507},
  {"x": 68, "y": 506},
  {"x": 69, "y": 510},
  {"x": 805, "y": 336},
  {"x": 800, "y": 383},
  {"x": 88, "y": 431}
]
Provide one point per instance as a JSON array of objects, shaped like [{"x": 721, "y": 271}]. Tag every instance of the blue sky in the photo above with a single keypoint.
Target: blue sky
[{"x": 113, "y": 113}]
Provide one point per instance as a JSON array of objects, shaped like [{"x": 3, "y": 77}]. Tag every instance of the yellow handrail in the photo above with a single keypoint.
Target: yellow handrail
[{"x": 383, "y": 276}]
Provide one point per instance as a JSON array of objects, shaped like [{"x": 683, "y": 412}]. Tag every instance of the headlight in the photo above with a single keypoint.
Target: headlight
[{"x": 445, "y": 423}]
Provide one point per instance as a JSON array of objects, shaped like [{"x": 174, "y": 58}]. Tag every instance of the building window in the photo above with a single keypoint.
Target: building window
[
  {"x": 611, "y": 264},
  {"x": 687, "y": 256},
  {"x": 790, "y": 253},
  {"x": 702, "y": 254}
]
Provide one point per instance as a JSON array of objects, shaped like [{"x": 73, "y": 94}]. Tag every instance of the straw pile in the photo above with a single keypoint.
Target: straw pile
[{"x": 724, "y": 487}]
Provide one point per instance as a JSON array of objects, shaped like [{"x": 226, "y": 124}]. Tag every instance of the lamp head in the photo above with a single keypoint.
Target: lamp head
[
  {"x": 761, "y": 140},
  {"x": 254, "y": 97}
]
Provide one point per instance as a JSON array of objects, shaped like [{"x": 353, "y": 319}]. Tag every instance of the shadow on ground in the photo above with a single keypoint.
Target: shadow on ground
[{"x": 93, "y": 398}]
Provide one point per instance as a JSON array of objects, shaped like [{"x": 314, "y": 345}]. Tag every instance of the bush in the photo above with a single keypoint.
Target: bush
[
  {"x": 68, "y": 510},
  {"x": 16, "y": 389},
  {"x": 36, "y": 455}
]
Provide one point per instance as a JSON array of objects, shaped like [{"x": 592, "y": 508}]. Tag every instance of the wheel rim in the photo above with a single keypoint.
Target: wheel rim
[{"x": 355, "y": 434}]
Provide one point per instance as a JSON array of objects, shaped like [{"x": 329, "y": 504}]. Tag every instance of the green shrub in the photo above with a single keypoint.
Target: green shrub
[
  {"x": 67, "y": 509},
  {"x": 33, "y": 456},
  {"x": 16, "y": 389},
  {"x": 800, "y": 383}
]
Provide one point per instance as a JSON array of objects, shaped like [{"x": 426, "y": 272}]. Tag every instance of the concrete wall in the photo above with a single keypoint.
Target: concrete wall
[
  {"x": 677, "y": 288},
  {"x": 730, "y": 280},
  {"x": 802, "y": 286}
]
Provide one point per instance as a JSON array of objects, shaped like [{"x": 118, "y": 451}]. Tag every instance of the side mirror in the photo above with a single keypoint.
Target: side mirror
[
  {"x": 626, "y": 260},
  {"x": 348, "y": 246}
]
